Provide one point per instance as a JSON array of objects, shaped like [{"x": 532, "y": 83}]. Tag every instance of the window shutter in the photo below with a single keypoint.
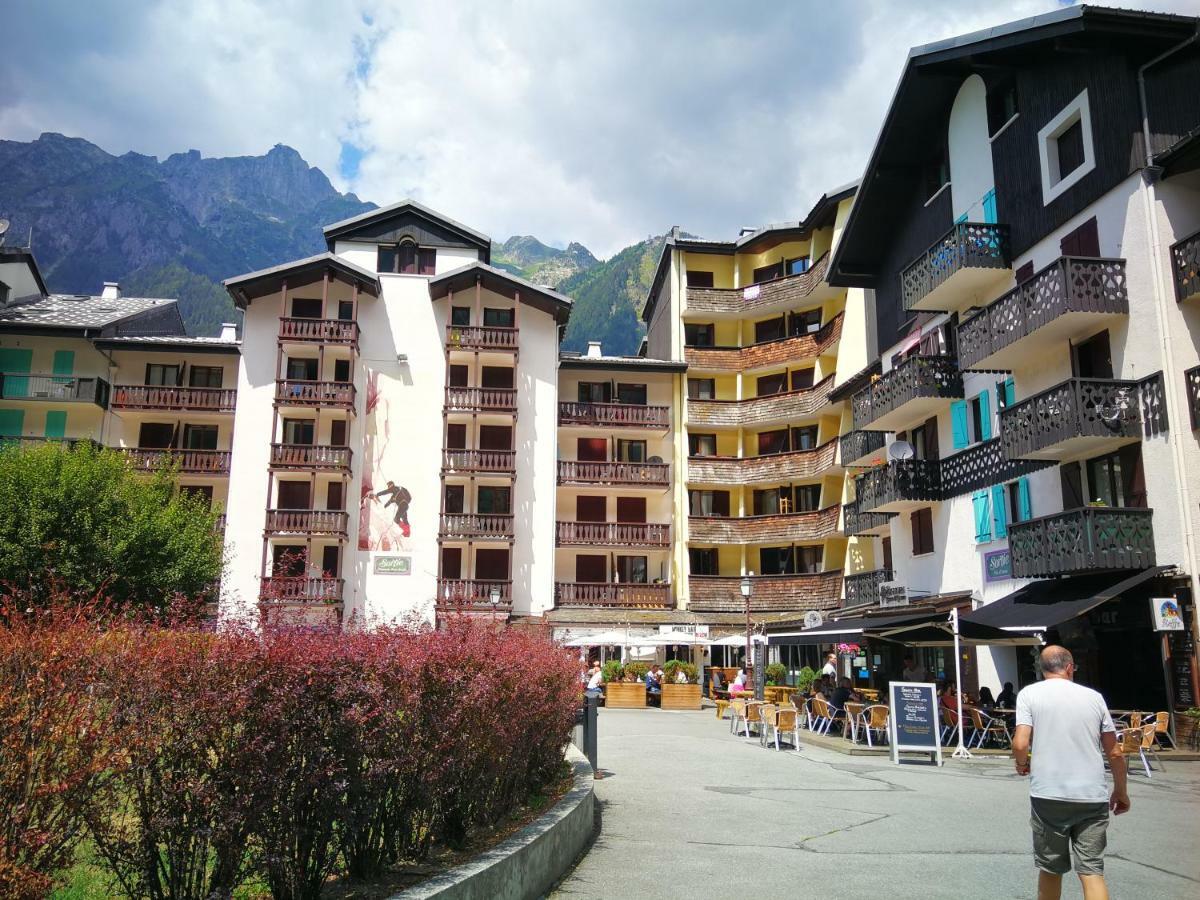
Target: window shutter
[
  {"x": 999, "y": 511},
  {"x": 1010, "y": 392},
  {"x": 985, "y": 416},
  {"x": 983, "y": 517},
  {"x": 989, "y": 207},
  {"x": 958, "y": 423},
  {"x": 1024, "y": 506}
]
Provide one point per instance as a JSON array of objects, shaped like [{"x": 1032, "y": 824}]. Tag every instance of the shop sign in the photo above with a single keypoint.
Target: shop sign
[
  {"x": 997, "y": 565},
  {"x": 913, "y": 724},
  {"x": 1166, "y": 614},
  {"x": 393, "y": 565}
]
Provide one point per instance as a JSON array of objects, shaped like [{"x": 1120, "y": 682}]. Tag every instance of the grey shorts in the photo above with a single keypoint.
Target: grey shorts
[{"x": 1062, "y": 828}]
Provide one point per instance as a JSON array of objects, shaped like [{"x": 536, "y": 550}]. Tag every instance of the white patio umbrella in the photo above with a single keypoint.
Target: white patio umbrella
[{"x": 597, "y": 639}]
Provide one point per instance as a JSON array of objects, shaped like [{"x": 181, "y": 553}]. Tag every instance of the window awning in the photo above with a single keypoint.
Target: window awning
[{"x": 1044, "y": 604}]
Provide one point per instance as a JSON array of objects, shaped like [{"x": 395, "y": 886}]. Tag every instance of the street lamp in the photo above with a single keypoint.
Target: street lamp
[
  {"x": 747, "y": 590},
  {"x": 494, "y": 596}
]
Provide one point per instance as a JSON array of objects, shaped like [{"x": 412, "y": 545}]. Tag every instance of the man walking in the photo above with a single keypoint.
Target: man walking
[{"x": 1068, "y": 794}]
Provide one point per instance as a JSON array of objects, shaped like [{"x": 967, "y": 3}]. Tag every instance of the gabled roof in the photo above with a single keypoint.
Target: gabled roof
[
  {"x": 504, "y": 283},
  {"x": 24, "y": 255},
  {"x": 71, "y": 312},
  {"x": 619, "y": 363},
  {"x": 366, "y": 225},
  {"x": 244, "y": 288},
  {"x": 169, "y": 342}
]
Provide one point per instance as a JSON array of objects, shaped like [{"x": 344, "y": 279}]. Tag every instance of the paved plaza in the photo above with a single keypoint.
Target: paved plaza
[{"x": 688, "y": 810}]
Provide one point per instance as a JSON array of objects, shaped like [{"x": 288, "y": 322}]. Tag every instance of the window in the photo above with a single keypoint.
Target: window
[
  {"x": 495, "y": 317},
  {"x": 460, "y": 316},
  {"x": 698, "y": 279},
  {"x": 346, "y": 310},
  {"x": 495, "y": 437},
  {"x": 206, "y": 376},
  {"x": 766, "y": 273},
  {"x": 1083, "y": 241},
  {"x": 167, "y": 376},
  {"x": 293, "y": 495},
  {"x": 770, "y": 330},
  {"x": 454, "y": 499},
  {"x": 200, "y": 437},
  {"x": 459, "y": 376},
  {"x": 808, "y": 559},
  {"x": 772, "y": 384},
  {"x": 456, "y": 437},
  {"x": 306, "y": 307},
  {"x": 1001, "y": 104},
  {"x": 201, "y": 492},
  {"x": 491, "y": 565},
  {"x": 992, "y": 513},
  {"x": 591, "y": 449},
  {"x": 804, "y": 437},
  {"x": 1006, "y": 393},
  {"x": 798, "y": 266},
  {"x": 808, "y": 497},
  {"x": 591, "y": 509},
  {"x": 631, "y": 509},
  {"x": 803, "y": 378},
  {"x": 921, "y": 522},
  {"x": 773, "y": 442},
  {"x": 1093, "y": 358},
  {"x": 341, "y": 370},
  {"x": 632, "y": 570},
  {"x": 971, "y": 420},
  {"x": 702, "y": 560},
  {"x": 337, "y": 433},
  {"x": 298, "y": 431},
  {"x": 766, "y": 502},
  {"x": 493, "y": 500},
  {"x": 156, "y": 436},
  {"x": 807, "y": 322},
  {"x": 329, "y": 561},
  {"x": 406, "y": 259},
  {"x": 385, "y": 261},
  {"x": 1065, "y": 148},
  {"x": 699, "y": 335},
  {"x": 776, "y": 561},
  {"x": 335, "y": 497},
  {"x": 288, "y": 560},
  {"x": 1020, "y": 502},
  {"x": 591, "y": 569},
  {"x": 708, "y": 503},
  {"x": 301, "y": 369},
  {"x": 702, "y": 445},
  {"x": 633, "y": 394},
  {"x": 631, "y": 451},
  {"x": 452, "y": 563},
  {"x": 924, "y": 439},
  {"x": 595, "y": 392},
  {"x": 702, "y": 388},
  {"x": 497, "y": 377}
]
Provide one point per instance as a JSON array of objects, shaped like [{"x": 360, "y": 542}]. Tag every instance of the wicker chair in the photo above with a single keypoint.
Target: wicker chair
[
  {"x": 875, "y": 719},
  {"x": 787, "y": 720},
  {"x": 753, "y": 715},
  {"x": 853, "y": 717}
]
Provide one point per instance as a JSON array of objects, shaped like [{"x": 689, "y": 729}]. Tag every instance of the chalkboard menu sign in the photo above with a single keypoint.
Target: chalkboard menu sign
[
  {"x": 1182, "y": 647},
  {"x": 913, "y": 723}
]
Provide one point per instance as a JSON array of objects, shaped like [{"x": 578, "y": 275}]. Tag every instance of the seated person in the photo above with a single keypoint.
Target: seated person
[
  {"x": 595, "y": 681},
  {"x": 949, "y": 702},
  {"x": 654, "y": 680},
  {"x": 842, "y": 695},
  {"x": 739, "y": 684},
  {"x": 718, "y": 683},
  {"x": 986, "y": 702},
  {"x": 1008, "y": 697}
]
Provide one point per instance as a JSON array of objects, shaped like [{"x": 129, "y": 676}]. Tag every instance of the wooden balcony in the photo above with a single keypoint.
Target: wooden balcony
[
  {"x": 307, "y": 521},
  {"x": 910, "y": 393},
  {"x": 481, "y": 400},
  {"x": 1083, "y": 416},
  {"x": 309, "y": 394},
  {"x": 628, "y": 596},
  {"x": 767, "y": 354},
  {"x": 475, "y": 526},
  {"x": 774, "y": 467},
  {"x": 768, "y": 296},
  {"x": 1082, "y": 540},
  {"x": 318, "y": 331},
  {"x": 1185, "y": 267},
  {"x": 1070, "y": 297},
  {"x": 769, "y": 593},
  {"x": 775, "y": 529},
  {"x": 190, "y": 462},
  {"x": 612, "y": 534},
  {"x": 982, "y": 465},
  {"x": 1191, "y": 380},
  {"x": 857, "y": 522},
  {"x": 899, "y": 486},
  {"x": 627, "y": 474},
  {"x": 856, "y": 446},
  {"x": 54, "y": 388},
  {"x": 770, "y": 409},
  {"x": 864, "y": 587},
  {"x": 481, "y": 337},
  {"x": 287, "y": 590},
  {"x": 485, "y": 462},
  {"x": 614, "y": 415},
  {"x": 153, "y": 397},
  {"x": 311, "y": 457},
  {"x": 469, "y": 595},
  {"x": 969, "y": 260}
]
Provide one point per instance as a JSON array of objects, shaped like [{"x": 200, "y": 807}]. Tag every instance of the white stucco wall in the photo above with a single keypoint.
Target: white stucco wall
[{"x": 970, "y": 151}]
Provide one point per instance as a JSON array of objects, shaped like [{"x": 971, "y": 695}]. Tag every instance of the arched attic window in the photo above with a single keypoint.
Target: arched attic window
[{"x": 406, "y": 258}]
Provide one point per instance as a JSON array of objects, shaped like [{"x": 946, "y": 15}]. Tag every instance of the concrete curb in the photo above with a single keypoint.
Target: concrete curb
[{"x": 530, "y": 862}]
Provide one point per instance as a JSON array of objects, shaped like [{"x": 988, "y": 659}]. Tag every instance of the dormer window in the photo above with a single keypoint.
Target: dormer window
[{"x": 406, "y": 258}]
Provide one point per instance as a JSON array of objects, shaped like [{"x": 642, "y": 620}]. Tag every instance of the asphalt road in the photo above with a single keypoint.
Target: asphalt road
[{"x": 689, "y": 810}]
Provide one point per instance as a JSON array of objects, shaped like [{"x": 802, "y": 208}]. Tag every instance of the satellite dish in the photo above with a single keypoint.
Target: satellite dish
[
  {"x": 4, "y": 223},
  {"x": 900, "y": 450},
  {"x": 813, "y": 619}
]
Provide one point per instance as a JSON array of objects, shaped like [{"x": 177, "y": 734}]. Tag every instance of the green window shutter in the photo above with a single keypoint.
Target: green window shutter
[
  {"x": 999, "y": 511},
  {"x": 64, "y": 362},
  {"x": 11, "y": 422},
  {"x": 985, "y": 416},
  {"x": 56, "y": 423},
  {"x": 1010, "y": 392},
  {"x": 989, "y": 207},
  {"x": 15, "y": 360},
  {"x": 983, "y": 517},
  {"x": 958, "y": 423},
  {"x": 1024, "y": 506}
]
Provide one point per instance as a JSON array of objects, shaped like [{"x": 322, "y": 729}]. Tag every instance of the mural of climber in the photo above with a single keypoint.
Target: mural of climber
[{"x": 383, "y": 504}]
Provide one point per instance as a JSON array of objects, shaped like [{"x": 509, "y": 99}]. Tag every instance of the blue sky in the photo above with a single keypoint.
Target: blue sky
[{"x": 601, "y": 122}]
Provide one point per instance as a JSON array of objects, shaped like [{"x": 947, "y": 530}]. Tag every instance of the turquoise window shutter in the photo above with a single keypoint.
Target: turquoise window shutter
[
  {"x": 961, "y": 219},
  {"x": 985, "y": 416},
  {"x": 11, "y": 422},
  {"x": 64, "y": 362},
  {"x": 958, "y": 423},
  {"x": 1024, "y": 506},
  {"x": 983, "y": 517},
  {"x": 56, "y": 423},
  {"x": 1010, "y": 392},
  {"x": 989, "y": 207},
  {"x": 999, "y": 512}
]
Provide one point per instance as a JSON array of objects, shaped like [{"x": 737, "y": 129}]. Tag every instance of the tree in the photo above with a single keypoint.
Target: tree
[{"x": 82, "y": 520}]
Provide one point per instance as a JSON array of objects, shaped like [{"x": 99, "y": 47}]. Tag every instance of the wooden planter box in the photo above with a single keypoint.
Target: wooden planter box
[
  {"x": 681, "y": 696},
  {"x": 625, "y": 695},
  {"x": 1187, "y": 733}
]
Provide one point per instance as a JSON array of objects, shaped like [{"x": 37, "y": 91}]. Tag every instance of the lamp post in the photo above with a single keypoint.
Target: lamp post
[
  {"x": 494, "y": 597},
  {"x": 747, "y": 589}
]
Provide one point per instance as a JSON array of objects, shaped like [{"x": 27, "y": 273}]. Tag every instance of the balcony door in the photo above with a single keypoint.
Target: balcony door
[
  {"x": 453, "y": 498},
  {"x": 294, "y": 495},
  {"x": 306, "y": 307},
  {"x": 591, "y": 569},
  {"x": 631, "y": 509},
  {"x": 459, "y": 376},
  {"x": 200, "y": 437},
  {"x": 591, "y": 509},
  {"x": 156, "y": 436},
  {"x": 298, "y": 431},
  {"x": 287, "y": 560},
  {"x": 497, "y": 377},
  {"x": 491, "y": 565},
  {"x": 302, "y": 370},
  {"x": 591, "y": 449},
  {"x": 495, "y": 437},
  {"x": 1092, "y": 358},
  {"x": 595, "y": 392},
  {"x": 452, "y": 563}
]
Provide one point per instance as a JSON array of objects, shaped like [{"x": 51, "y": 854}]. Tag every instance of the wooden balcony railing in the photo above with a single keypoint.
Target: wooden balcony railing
[
  {"x": 481, "y": 400},
  {"x": 966, "y": 246},
  {"x": 193, "y": 462},
  {"x": 1192, "y": 381},
  {"x": 755, "y": 469},
  {"x": 783, "y": 406},
  {"x": 54, "y": 388},
  {"x": 900, "y": 481},
  {"x": 481, "y": 337},
  {"x": 285, "y": 589},
  {"x": 752, "y": 299},
  {"x": 783, "y": 528},
  {"x": 769, "y": 353},
  {"x": 321, "y": 331},
  {"x": 626, "y": 473},
  {"x": 982, "y": 465},
  {"x": 856, "y": 445},
  {"x": 1082, "y": 540},
  {"x": 310, "y": 456},
  {"x": 468, "y": 594},
  {"x": 136, "y": 396},
  {"x": 499, "y": 461},
  {"x": 917, "y": 378},
  {"x": 465, "y": 526},
  {"x": 1068, "y": 285},
  {"x": 293, "y": 392},
  {"x": 616, "y": 415},
  {"x": 1185, "y": 267},
  {"x": 307, "y": 521},
  {"x": 857, "y": 521},
  {"x": 630, "y": 596},
  {"x": 612, "y": 534},
  {"x": 864, "y": 586},
  {"x": 768, "y": 593}
]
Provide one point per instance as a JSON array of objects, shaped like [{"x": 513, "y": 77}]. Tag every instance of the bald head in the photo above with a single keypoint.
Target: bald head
[{"x": 1056, "y": 659}]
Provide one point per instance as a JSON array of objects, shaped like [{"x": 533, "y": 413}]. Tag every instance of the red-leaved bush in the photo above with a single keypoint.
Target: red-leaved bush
[{"x": 197, "y": 759}]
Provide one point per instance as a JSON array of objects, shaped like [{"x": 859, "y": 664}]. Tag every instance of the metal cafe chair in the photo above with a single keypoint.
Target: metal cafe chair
[
  {"x": 820, "y": 716},
  {"x": 1162, "y": 723},
  {"x": 753, "y": 715},
  {"x": 766, "y": 717},
  {"x": 853, "y": 713},
  {"x": 787, "y": 720},
  {"x": 984, "y": 727},
  {"x": 1140, "y": 741},
  {"x": 737, "y": 712},
  {"x": 875, "y": 719},
  {"x": 949, "y": 724}
]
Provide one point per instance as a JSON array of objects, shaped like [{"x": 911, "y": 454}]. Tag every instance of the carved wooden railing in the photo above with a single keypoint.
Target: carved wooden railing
[
  {"x": 324, "y": 331},
  {"x": 481, "y": 399},
  {"x": 758, "y": 410},
  {"x": 613, "y": 534},
  {"x": 296, "y": 392},
  {"x": 287, "y": 589},
  {"x": 635, "y": 596},
  {"x": 1185, "y": 267},
  {"x": 753, "y": 469},
  {"x": 857, "y": 444},
  {"x": 201, "y": 462},
  {"x": 916, "y": 377},
  {"x": 479, "y": 460},
  {"x": 1192, "y": 380},
  {"x": 752, "y": 298},
  {"x": 481, "y": 337},
  {"x": 310, "y": 456},
  {"x": 864, "y": 586},
  {"x": 1082, "y": 540},
  {"x": 900, "y": 480},
  {"x": 613, "y": 414},
  {"x": 768, "y": 593},
  {"x": 585, "y": 472},
  {"x": 307, "y": 521},
  {"x": 127, "y": 396},
  {"x": 769, "y": 353},
  {"x": 475, "y": 525},
  {"x": 967, "y": 245}
]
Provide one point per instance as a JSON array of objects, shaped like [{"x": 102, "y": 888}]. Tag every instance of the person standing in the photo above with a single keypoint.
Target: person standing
[
  {"x": 1068, "y": 794},
  {"x": 913, "y": 671},
  {"x": 829, "y": 670}
]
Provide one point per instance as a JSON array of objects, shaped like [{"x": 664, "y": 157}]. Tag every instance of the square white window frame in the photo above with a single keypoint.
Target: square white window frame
[{"x": 1078, "y": 110}]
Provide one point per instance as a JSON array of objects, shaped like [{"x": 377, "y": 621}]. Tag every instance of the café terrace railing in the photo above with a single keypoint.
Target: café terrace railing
[
  {"x": 1185, "y": 267},
  {"x": 1082, "y": 540},
  {"x": 916, "y": 378},
  {"x": 967, "y": 245}
]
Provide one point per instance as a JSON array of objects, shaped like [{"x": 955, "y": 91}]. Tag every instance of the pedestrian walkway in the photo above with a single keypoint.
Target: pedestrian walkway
[{"x": 688, "y": 810}]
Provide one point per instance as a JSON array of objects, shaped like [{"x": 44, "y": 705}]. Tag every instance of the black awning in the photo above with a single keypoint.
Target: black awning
[
  {"x": 940, "y": 633},
  {"x": 845, "y": 631},
  {"x": 1044, "y": 604}
]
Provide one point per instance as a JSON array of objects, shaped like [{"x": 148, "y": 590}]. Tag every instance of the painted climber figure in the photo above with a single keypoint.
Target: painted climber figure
[{"x": 400, "y": 498}]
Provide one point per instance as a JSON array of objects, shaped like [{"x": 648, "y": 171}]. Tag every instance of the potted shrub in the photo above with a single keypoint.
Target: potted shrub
[
  {"x": 619, "y": 691},
  {"x": 677, "y": 694},
  {"x": 1187, "y": 729},
  {"x": 612, "y": 670},
  {"x": 776, "y": 674},
  {"x": 804, "y": 679},
  {"x": 636, "y": 671}
]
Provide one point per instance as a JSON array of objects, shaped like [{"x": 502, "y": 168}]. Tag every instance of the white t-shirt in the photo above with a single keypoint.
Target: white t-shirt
[
  {"x": 829, "y": 669},
  {"x": 740, "y": 681},
  {"x": 596, "y": 680},
  {"x": 1067, "y": 720},
  {"x": 916, "y": 673}
]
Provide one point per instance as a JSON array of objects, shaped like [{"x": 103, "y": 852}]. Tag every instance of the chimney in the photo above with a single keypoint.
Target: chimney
[
  {"x": 593, "y": 350},
  {"x": 228, "y": 332},
  {"x": 112, "y": 291}
]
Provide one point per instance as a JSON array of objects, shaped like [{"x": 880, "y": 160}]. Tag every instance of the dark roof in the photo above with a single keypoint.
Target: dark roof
[
  {"x": 931, "y": 78},
  {"x": 25, "y": 255},
  {"x": 634, "y": 363},
  {"x": 841, "y": 630},
  {"x": 1182, "y": 156},
  {"x": 169, "y": 342},
  {"x": 505, "y": 283},
  {"x": 367, "y": 225},
  {"x": 244, "y": 288},
  {"x": 77, "y": 312},
  {"x": 1045, "y": 604}
]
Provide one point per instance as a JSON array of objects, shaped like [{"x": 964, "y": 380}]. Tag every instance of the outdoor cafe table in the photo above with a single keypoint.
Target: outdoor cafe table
[{"x": 776, "y": 694}]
